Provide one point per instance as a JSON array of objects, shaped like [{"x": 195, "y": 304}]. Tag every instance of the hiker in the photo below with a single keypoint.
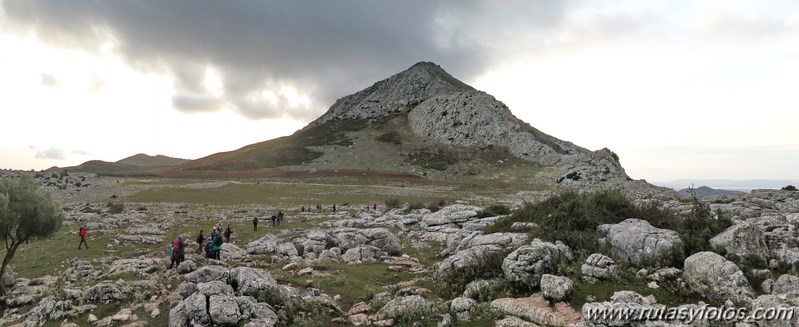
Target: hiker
[
  {"x": 273, "y": 220},
  {"x": 209, "y": 248},
  {"x": 334, "y": 208},
  {"x": 255, "y": 223},
  {"x": 228, "y": 231},
  {"x": 82, "y": 234},
  {"x": 200, "y": 240},
  {"x": 177, "y": 252},
  {"x": 279, "y": 217},
  {"x": 217, "y": 245},
  {"x": 302, "y": 209},
  {"x": 318, "y": 207}
]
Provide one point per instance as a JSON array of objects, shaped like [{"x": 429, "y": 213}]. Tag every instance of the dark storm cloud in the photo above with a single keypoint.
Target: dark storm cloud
[{"x": 324, "y": 49}]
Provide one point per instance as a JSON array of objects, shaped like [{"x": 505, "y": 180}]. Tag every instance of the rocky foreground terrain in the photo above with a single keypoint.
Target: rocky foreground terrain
[{"x": 439, "y": 267}]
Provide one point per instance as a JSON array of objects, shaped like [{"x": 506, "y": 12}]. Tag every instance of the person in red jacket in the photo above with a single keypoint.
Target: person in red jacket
[{"x": 82, "y": 234}]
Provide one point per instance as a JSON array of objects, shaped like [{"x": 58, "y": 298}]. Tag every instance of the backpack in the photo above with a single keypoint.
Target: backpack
[
  {"x": 218, "y": 241},
  {"x": 176, "y": 247}
]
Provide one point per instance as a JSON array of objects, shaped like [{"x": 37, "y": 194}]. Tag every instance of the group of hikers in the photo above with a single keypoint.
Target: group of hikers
[
  {"x": 211, "y": 245},
  {"x": 276, "y": 219}
]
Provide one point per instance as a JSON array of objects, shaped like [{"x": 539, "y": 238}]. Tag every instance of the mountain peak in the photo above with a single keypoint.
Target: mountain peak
[{"x": 397, "y": 94}]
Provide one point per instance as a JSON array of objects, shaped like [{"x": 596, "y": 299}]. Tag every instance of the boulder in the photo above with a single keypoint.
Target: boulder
[
  {"x": 287, "y": 249},
  {"x": 207, "y": 274},
  {"x": 223, "y": 310},
  {"x": 453, "y": 214},
  {"x": 363, "y": 254},
  {"x": 710, "y": 275},
  {"x": 141, "y": 265},
  {"x": 215, "y": 288},
  {"x": 9, "y": 277},
  {"x": 742, "y": 240},
  {"x": 478, "y": 262},
  {"x": 263, "y": 245},
  {"x": 190, "y": 312},
  {"x": 598, "y": 267},
  {"x": 528, "y": 263},
  {"x": 556, "y": 288},
  {"x": 382, "y": 238},
  {"x": 231, "y": 251},
  {"x": 504, "y": 240},
  {"x": 537, "y": 310},
  {"x": 636, "y": 241},
  {"x": 513, "y": 322},
  {"x": 46, "y": 310},
  {"x": 460, "y": 307},
  {"x": 103, "y": 293},
  {"x": 405, "y": 306},
  {"x": 186, "y": 267},
  {"x": 253, "y": 282},
  {"x": 786, "y": 285}
]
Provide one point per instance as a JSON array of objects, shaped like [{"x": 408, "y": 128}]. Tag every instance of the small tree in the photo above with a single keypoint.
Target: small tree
[
  {"x": 27, "y": 213},
  {"x": 789, "y": 188}
]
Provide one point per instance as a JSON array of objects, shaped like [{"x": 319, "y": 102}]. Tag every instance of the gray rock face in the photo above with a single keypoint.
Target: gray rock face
[
  {"x": 207, "y": 274},
  {"x": 478, "y": 119},
  {"x": 452, "y": 214},
  {"x": 102, "y": 293},
  {"x": 503, "y": 240},
  {"x": 122, "y": 266},
  {"x": 251, "y": 281},
  {"x": 315, "y": 242},
  {"x": 9, "y": 277},
  {"x": 186, "y": 267},
  {"x": 396, "y": 94},
  {"x": 363, "y": 254},
  {"x": 179, "y": 314},
  {"x": 405, "y": 306},
  {"x": 714, "y": 277},
  {"x": 780, "y": 303},
  {"x": 636, "y": 241},
  {"x": 460, "y": 307},
  {"x": 598, "y": 267},
  {"x": 471, "y": 263},
  {"x": 263, "y": 245},
  {"x": 215, "y": 288},
  {"x": 556, "y": 288},
  {"x": 786, "y": 285},
  {"x": 48, "y": 309},
  {"x": 744, "y": 239},
  {"x": 223, "y": 310},
  {"x": 231, "y": 251},
  {"x": 528, "y": 263},
  {"x": 620, "y": 302},
  {"x": 382, "y": 238},
  {"x": 287, "y": 249}
]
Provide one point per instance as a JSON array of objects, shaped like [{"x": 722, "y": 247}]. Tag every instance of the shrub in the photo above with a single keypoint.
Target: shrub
[
  {"x": 789, "y": 188},
  {"x": 393, "y": 203},
  {"x": 414, "y": 206},
  {"x": 573, "y": 218},
  {"x": 115, "y": 207},
  {"x": 433, "y": 207},
  {"x": 493, "y": 211}
]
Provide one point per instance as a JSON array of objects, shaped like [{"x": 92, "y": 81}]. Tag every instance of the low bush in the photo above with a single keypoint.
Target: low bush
[
  {"x": 493, "y": 211},
  {"x": 393, "y": 203},
  {"x": 573, "y": 218}
]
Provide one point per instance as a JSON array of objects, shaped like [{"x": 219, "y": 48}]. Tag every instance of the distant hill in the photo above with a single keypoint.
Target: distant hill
[
  {"x": 136, "y": 165},
  {"x": 143, "y": 160},
  {"x": 730, "y": 184},
  {"x": 704, "y": 192},
  {"x": 420, "y": 122}
]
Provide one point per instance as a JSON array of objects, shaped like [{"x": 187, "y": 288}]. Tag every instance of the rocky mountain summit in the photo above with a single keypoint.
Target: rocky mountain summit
[{"x": 445, "y": 110}]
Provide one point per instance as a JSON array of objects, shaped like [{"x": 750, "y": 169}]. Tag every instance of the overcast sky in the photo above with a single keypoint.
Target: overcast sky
[{"x": 679, "y": 89}]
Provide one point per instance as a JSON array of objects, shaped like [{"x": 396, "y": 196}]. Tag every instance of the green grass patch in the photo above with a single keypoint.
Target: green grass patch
[
  {"x": 354, "y": 283},
  {"x": 294, "y": 194}
]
